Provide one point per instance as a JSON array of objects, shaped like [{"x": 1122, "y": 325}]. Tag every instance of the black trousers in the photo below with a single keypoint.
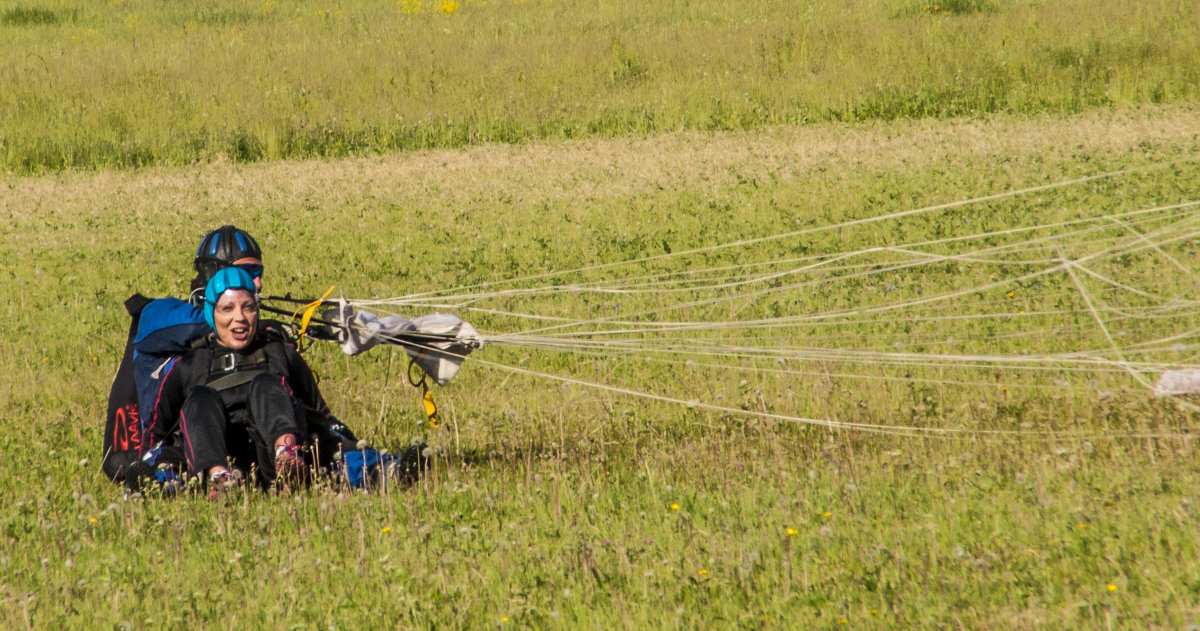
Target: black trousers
[{"x": 239, "y": 427}]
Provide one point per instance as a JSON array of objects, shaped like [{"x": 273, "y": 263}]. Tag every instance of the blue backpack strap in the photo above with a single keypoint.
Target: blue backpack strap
[
  {"x": 165, "y": 331},
  {"x": 167, "y": 326}
]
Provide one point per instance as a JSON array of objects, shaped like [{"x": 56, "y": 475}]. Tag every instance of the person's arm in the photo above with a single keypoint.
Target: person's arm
[
  {"x": 322, "y": 426},
  {"x": 304, "y": 383}
]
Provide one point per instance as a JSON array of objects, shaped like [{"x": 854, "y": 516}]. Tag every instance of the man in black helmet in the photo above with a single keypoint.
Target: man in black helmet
[{"x": 224, "y": 247}]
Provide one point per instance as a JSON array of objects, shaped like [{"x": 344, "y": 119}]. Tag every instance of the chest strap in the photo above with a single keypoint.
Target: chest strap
[{"x": 230, "y": 370}]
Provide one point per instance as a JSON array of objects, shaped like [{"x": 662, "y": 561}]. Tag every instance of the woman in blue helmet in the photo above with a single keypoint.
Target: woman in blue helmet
[
  {"x": 160, "y": 331},
  {"x": 142, "y": 443},
  {"x": 235, "y": 403}
]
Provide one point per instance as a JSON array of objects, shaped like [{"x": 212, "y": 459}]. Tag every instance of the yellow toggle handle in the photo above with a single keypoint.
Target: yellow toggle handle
[
  {"x": 309, "y": 309},
  {"x": 430, "y": 407}
]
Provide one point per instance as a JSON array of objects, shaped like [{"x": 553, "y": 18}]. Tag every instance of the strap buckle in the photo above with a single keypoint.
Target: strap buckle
[{"x": 229, "y": 362}]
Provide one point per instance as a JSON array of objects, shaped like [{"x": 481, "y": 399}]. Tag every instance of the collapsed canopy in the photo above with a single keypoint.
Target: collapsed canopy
[{"x": 437, "y": 342}]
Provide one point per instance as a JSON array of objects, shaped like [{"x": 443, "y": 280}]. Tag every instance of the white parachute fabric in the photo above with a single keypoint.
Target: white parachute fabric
[
  {"x": 442, "y": 358},
  {"x": 362, "y": 330},
  {"x": 1177, "y": 382},
  {"x": 437, "y": 342}
]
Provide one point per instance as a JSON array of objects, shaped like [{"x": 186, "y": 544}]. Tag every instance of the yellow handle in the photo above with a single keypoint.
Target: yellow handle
[
  {"x": 430, "y": 408},
  {"x": 309, "y": 309}
]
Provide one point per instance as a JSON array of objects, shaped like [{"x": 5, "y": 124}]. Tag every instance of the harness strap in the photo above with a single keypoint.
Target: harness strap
[
  {"x": 230, "y": 370},
  {"x": 231, "y": 361},
  {"x": 233, "y": 380}
]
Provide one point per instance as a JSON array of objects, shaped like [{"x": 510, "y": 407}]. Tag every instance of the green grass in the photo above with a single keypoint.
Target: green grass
[
  {"x": 129, "y": 83},
  {"x": 555, "y": 136},
  {"x": 21, "y": 16},
  {"x": 556, "y": 506}
]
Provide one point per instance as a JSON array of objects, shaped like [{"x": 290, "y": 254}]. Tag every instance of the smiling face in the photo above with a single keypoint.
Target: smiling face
[{"x": 236, "y": 318}]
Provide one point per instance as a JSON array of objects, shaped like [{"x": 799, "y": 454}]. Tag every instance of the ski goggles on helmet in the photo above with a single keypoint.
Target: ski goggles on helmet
[{"x": 255, "y": 270}]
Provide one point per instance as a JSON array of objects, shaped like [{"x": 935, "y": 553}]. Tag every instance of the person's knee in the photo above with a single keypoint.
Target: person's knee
[
  {"x": 267, "y": 382},
  {"x": 274, "y": 410}
]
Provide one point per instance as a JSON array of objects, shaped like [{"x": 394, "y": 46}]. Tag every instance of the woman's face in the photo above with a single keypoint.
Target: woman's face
[{"x": 236, "y": 317}]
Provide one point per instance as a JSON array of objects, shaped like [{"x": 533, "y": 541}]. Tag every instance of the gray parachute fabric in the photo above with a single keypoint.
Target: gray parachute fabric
[
  {"x": 1177, "y": 382},
  {"x": 441, "y": 359},
  {"x": 438, "y": 342}
]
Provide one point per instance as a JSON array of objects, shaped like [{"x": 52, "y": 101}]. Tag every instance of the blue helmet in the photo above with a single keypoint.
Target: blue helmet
[{"x": 223, "y": 280}]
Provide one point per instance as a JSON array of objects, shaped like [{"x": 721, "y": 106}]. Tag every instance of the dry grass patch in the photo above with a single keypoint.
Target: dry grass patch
[{"x": 578, "y": 171}]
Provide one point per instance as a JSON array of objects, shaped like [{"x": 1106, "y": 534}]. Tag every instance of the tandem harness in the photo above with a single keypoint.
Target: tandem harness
[{"x": 228, "y": 370}]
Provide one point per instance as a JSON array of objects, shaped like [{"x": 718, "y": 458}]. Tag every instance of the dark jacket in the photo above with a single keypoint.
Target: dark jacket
[{"x": 230, "y": 372}]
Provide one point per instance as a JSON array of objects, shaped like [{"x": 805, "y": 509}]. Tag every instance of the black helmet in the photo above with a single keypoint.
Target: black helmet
[{"x": 221, "y": 247}]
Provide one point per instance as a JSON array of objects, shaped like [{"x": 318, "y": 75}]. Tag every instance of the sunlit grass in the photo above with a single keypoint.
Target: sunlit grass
[
  {"x": 556, "y": 506},
  {"x": 129, "y": 83}
]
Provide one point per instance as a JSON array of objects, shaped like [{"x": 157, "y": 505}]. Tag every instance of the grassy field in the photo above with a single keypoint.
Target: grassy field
[
  {"x": 941, "y": 252},
  {"x": 130, "y": 83},
  {"x": 564, "y": 507}
]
